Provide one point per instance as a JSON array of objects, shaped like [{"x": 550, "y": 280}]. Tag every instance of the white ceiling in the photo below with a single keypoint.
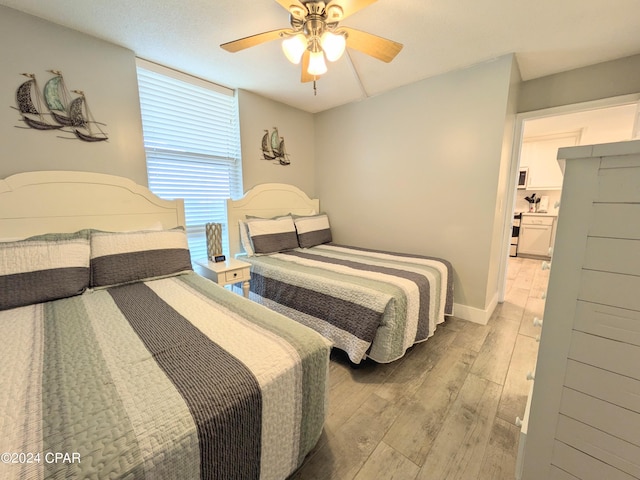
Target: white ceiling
[{"x": 548, "y": 36}]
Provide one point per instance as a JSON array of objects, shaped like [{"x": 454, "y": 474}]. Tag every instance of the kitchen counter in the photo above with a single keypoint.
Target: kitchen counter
[{"x": 539, "y": 214}]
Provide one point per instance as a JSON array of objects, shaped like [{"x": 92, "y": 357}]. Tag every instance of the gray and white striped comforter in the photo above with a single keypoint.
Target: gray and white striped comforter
[
  {"x": 368, "y": 303},
  {"x": 166, "y": 379}
]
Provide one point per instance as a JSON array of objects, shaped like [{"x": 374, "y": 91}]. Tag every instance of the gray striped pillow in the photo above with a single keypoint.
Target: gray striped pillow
[
  {"x": 43, "y": 268},
  {"x": 313, "y": 230},
  {"x": 271, "y": 235},
  {"x": 125, "y": 257}
]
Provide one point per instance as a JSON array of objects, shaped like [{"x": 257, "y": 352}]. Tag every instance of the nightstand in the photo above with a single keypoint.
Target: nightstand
[{"x": 226, "y": 273}]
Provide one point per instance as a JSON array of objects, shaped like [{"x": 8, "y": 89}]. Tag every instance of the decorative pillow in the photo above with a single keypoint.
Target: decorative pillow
[
  {"x": 313, "y": 230},
  {"x": 271, "y": 235},
  {"x": 125, "y": 257},
  {"x": 245, "y": 240},
  {"x": 43, "y": 268}
]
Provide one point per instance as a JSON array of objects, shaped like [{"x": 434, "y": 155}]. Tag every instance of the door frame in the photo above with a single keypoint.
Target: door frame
[{"x": 521, "y": 119}]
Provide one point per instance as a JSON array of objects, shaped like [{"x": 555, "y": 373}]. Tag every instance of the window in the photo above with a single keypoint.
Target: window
[{"x": 192, "y": 144}]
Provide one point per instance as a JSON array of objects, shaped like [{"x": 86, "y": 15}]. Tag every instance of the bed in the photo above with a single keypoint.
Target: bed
[
  {"x": 369, "y": 303},
  {"x": 117, "y": 361}
]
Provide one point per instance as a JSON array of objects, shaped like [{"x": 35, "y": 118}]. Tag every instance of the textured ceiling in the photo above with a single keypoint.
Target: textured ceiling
[{"x": 547, "y": 36}]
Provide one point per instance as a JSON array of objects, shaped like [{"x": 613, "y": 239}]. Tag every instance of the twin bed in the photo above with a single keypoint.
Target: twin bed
[
  {"x": 117, "y": 361},
  {"x": 369, "y": 303}
]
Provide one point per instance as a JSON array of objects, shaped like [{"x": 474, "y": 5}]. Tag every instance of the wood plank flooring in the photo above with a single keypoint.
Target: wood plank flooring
[{"x": 444, "y": 411}]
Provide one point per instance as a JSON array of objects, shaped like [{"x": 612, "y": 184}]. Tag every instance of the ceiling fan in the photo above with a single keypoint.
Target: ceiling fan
[{"x": 315, "y": 35}]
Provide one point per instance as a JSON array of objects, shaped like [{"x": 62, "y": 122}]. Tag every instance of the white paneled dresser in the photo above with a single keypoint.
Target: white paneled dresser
[{"x": 584, "y": 418}]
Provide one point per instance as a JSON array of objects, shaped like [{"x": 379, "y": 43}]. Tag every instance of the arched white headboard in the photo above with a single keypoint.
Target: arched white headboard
[
  {"x": 33, "y": 203},
  {"x": 266, "y": 200}
]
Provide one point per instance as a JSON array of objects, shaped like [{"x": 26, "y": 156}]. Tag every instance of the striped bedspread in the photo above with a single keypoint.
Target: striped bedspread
[
  {"x": 166, "y": 379},
  {"x": 368, "y": 303}
]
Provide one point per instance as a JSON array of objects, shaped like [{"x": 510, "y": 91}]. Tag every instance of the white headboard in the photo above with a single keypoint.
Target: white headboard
[
  {"x": 33, "y": 203},
  {"x": 266, "y": 200}
]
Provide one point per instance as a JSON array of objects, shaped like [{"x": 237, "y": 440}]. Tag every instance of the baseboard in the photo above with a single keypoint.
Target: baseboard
[{"x": 473, "y": 314}]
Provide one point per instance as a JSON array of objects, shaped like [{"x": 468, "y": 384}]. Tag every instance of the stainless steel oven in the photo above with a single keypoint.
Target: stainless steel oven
[{"x": 515, "y": 233}]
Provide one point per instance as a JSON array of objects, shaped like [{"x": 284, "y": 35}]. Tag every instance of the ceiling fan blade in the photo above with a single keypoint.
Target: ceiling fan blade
[
  {"x": 349, "y": 7},
  {"x": 306, "y": 76},
  {"x": 253, "y": 40},
  {"x": 377, "y": 47}
]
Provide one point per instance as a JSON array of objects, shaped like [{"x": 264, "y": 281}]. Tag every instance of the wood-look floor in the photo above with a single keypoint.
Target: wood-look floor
[{"x": 447, "y": 409}]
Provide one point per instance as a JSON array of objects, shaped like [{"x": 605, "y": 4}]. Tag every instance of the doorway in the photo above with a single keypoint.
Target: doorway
[{"x": 603, "y": 121}]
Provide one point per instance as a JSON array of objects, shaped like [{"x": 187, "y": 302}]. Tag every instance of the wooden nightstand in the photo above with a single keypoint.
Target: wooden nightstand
[{"x": 226, "y": 273}]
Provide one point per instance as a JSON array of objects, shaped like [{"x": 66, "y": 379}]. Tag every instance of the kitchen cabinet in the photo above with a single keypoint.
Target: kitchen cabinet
[
  {"x": 539, "y": 155},
  {"x": 536, "y": 234}
]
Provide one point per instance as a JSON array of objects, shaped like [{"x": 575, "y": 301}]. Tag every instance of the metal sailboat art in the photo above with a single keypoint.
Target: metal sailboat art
[
  {"x": 273, "y": 147},
  {"x": 69, "y": 115},
  {"x": 29, "y": 100},
  {"x": 84, "y": 124},
  {"x": 57, "y": 98}
]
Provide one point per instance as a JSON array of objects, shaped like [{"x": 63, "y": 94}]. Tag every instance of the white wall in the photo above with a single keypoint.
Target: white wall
[
  {"x": 258, "y": 114},
  {"x": 107, "y": 75},
  {"x": 417, "y": 170}
]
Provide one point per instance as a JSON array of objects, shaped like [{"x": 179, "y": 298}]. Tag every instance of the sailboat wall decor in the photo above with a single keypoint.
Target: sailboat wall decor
[
  {"x": 54, "y": 108},
  {"x": 30, "y": 105},
  {"x": 273, "y": 148}
]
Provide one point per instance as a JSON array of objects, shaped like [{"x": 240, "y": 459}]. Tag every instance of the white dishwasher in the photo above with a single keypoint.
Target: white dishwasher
[{"x": 536, "y": 233}]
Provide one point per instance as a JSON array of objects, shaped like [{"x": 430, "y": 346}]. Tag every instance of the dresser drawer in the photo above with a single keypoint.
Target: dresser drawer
[{"x": 237, "y": 275}]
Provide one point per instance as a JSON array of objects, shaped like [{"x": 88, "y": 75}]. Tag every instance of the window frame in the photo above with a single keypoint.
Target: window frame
[{"x": 172, "y": 153}]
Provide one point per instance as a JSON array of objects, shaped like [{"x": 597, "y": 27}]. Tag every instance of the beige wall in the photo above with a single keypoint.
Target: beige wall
[
  {"x": 258, "y": 114},
  {"x": 417, "y": 170},
  {"x": 107, "y": 75}
]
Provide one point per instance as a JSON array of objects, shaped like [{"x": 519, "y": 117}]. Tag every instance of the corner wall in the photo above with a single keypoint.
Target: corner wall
[
  {"x": 258, "y": 114},
  {"x": 497, "y": 262},
  {"x": 417, "y": 170}
]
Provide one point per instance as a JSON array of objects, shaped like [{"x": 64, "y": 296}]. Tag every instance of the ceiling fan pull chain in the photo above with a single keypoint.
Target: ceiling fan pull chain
[{"x": 315, "y": 90}]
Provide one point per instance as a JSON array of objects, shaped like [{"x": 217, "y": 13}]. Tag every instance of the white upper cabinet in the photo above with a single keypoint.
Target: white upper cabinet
[{"x": 539, "y": 154}]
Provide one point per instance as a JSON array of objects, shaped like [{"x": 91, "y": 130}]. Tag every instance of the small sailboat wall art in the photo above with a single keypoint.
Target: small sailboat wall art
[
  {"x": 57, "y": 98},
  {"x": 30, "y": 105},
  {"x": 273, "y": 147},
  {"x": 84, "y": 125},
  {"x": 63, "y": 112}
]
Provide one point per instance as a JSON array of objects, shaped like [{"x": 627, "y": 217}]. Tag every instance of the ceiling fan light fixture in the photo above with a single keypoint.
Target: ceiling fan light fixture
[
  {"x": 293, "y": 47},
  {"x": 315, "y": 36},
  {"x": 317, "y": 65},
  {"x": 333, "y": 45}
]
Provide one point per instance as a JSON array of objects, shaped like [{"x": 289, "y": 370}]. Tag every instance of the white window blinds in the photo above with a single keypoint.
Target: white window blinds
[{"x": 192, "y": 144}]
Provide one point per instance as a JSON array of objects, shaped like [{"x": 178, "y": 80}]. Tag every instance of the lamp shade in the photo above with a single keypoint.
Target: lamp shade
[
  {"x": 333, "y": 45},
  {"x": 214, "y": 239},
  {"x": 294, "y": 47},
  {"x": 317, "y": 65}
]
